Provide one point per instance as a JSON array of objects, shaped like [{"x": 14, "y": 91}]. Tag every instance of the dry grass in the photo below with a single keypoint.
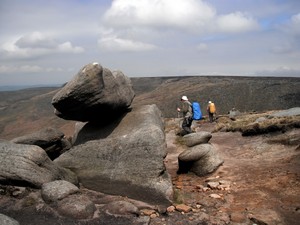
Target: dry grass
[{"x": 248, "y": 124}]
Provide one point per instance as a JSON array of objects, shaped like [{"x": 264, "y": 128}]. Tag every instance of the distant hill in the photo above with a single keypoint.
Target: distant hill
[
  {"x": 28, "y": 110},
  {"x": 242, "y": 93}
]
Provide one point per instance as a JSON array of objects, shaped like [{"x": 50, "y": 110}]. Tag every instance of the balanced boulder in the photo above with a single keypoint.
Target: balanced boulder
[
  {"x": 125, "y": 158},
  {"x": 29, "y": 165},
  {"x": 201, "y": 159},
  {"x": 94, "y": 94}
]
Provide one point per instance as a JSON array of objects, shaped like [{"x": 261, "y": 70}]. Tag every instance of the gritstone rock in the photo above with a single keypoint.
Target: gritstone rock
[
  {"x": 201, "y": 159},
  {"x": 57, "y": 190},
  {"x": 193, "y": 139},
  {"x": 125, "y": 158},
  {"x": 5, "y": 220},
  {"x": 29, "y": 165},
  {"x": 52, "y": 140},
  {"x": 94, "y": 94}
]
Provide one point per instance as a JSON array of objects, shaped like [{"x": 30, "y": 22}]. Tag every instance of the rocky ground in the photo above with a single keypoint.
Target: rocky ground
[{"x": 258, "y": 183}]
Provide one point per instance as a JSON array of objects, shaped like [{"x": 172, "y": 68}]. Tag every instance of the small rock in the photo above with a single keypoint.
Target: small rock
[
  {"x": 148, "y": 212},
  {"x": 19, "y": 192},
  {"x": 171, "y": 209},
  {"x": 205, "y": 189},
  {"x": 183, "y": 208},
  {"x": 213, "y": 185},
  {"x": 215, "y": 196}
]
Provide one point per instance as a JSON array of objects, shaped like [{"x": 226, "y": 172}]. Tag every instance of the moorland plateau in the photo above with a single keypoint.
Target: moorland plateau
[
  {"x": 260, "y": 172},
  {"x": 29, "y": 110}
]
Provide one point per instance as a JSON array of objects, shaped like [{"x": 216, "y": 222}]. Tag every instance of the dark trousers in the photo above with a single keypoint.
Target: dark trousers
[
  {"x": 211, "y": 117},
  {"x": 186, "y": 124}
]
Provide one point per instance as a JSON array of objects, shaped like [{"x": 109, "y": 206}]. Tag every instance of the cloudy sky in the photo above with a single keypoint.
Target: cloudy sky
[{"x": 48, "y": 42}]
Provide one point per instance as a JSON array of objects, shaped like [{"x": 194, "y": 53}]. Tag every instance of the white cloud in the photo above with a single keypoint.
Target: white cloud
[
  {"x": 235, "y": 22},
  {"x": 282, "y": 48},
  {"x": 157, "y": 13},
  {"x": 189, "y": 15},
  {"x": 68, "y": 48},
  {"x": 171, "y": 19},
  {"x": 293, "y": 26},
  {"x": 112, "y": 43},
  {"x": 34, "y": 45},
  {"x": 5, "y": 69},
  {"x": 202, "y": 47},
  {"x": 35, "y": 40}
]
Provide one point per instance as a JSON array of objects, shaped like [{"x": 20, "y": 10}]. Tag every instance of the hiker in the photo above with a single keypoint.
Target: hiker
[
  {"x": 211, "y": 110},
  {"x": 187, "y": 112}
]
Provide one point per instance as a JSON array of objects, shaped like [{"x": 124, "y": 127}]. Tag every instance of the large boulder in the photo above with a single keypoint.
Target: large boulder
[
  {"x": 200, "y": 159},
  {"x": 124, "y": 158},
  {"x": 29, "y": 165},
  {"x": 52, "y": 140},
  {"x": 57, "y": 190},
  {"x": 6, "y": 220},
  {"x": 95, "y": 93}
]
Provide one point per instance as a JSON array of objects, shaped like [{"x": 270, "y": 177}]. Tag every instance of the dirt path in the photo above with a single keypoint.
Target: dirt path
[{"x": 264, "y": 179}]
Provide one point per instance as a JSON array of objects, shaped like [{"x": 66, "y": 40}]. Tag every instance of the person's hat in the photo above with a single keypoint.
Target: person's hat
[
  {"x": 184, "y": 98},
  {"x": 209, "y": 102}
]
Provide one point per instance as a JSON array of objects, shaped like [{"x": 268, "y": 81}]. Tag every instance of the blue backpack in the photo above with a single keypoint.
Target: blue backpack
[{"x": 197, "y": 114}]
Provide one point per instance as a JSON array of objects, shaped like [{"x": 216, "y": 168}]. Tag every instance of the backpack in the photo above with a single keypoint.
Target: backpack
[
  {"x": 197, "y": 114},
  {"x": 212, "y": 108}
]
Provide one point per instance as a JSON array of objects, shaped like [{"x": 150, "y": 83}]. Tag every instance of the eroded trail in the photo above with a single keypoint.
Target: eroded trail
[{"x": 264, "y": 179}]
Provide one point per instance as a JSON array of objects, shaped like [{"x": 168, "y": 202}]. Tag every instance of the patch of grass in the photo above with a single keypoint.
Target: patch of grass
[
  {"x": 248, "y": 124},
  {"x": 178, "y": 197}
]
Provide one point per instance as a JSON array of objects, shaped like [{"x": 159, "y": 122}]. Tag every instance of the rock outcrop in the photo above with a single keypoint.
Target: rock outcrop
[
  {"x": 94, "y": 94},
  {"x": 6, "y": 220},
  {"x": 124, "y": 158},
  {"x": 52, "y": 140},
  {"x": 29, "y": 165},
  {"x": 201, "y": 157}
]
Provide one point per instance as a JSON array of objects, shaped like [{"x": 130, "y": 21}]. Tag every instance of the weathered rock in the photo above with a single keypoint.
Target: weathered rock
[
  {"x": 94, "y": 94},
  {"x": 57, "y": 190},
  {"x": 5, "y": 220},
  {"x": 183, "y": 208},
  {"x": 125, "y": 158},
  {"x": 233, "y": 113},
  {"x": 289, "y": 112},
  {"x": 29, "y": 165},
  {"x": 76, "y": 206},
  {"x": 201, "y": 159},
  {"x": 52, "y": 140},
  {"x": 193, "y": 139},
  {"x": 119, "y": 208}
]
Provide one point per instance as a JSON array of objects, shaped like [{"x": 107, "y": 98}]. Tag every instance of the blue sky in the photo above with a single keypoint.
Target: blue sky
[{"x": 48, "y": 42}]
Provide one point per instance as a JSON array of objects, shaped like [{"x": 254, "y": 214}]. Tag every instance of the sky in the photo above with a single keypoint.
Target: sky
[{"x": 48, "y": 42}]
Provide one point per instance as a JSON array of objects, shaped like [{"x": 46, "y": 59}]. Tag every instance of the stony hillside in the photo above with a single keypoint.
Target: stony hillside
[
  {"x": 29, "y": 110},
  {"x": 243, "y": 93}
]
